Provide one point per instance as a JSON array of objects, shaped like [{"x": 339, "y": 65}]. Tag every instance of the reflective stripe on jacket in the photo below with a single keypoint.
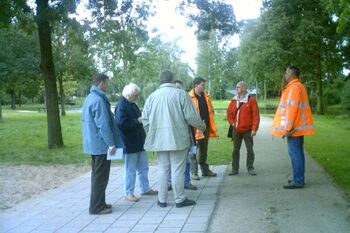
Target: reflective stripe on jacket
[
  {"x": 211, "y": 127},
  {"x": 293, "y": 113}
]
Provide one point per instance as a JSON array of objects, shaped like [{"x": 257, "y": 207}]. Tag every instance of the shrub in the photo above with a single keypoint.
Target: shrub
[{"x": 332, "y": 96}]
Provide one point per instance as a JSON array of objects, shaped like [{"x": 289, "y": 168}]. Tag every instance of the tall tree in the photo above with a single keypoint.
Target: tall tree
[
  {"x": 292, "y": 32},
  {"x": 44, "y": 18},
  {"x": 119, "y": 33},
  {"x": 73, "y": 60},
  {"x": 208, "y": 16}
]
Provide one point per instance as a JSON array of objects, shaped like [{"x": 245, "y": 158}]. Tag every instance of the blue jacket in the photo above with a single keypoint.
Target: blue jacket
[
  {"x": 132, "y": 132},
  {"x": 99, "y": 129}
]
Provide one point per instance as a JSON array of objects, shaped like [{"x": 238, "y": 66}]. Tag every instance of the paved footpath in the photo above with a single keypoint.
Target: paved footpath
[
  {"x": 65, "y": 209},
  {"x": 225, "y": 204},
  {"x": 260, "y": 204}
]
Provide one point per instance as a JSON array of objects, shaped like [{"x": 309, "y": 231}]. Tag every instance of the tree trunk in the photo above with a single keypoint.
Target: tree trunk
[
  {"x": 125, "y": 71},
  {"x": 265, "y": 91},
  {"x": 54, "y": 132},
  {"x": 63, "y": 97},
  {"x": 13, "y": 99},
  {"x": 0, "y": 110},
  {"x": 320, "y": 103},
  {"x": 19, "y": 99}
]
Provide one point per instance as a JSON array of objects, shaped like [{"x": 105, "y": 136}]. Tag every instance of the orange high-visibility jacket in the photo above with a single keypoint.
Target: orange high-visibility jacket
[
  {"x": 293, "y": 113},
  {"x": 212, "y": 131}
]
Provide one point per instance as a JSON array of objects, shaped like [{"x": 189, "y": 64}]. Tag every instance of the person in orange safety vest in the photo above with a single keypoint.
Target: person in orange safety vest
[
  {"x": 202, "y": 102},
  {"x": 293, "y": 120}
]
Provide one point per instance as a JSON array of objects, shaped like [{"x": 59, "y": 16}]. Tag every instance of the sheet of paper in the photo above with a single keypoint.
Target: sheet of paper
[{"x": 117, "y": 155}]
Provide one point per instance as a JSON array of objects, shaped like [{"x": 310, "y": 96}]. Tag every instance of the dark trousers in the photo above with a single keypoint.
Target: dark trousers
[
  {"x": 99, "y": 180},
  {"x": 203, "y": 153},
  {"x": 237, "y": 142}
]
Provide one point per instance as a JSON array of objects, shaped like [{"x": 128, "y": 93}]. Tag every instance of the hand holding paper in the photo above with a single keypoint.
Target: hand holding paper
[{"x": 116, "y": 153}]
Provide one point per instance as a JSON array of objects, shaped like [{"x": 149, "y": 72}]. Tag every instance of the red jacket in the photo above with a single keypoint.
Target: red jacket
[{"x": 247, "y": 117}]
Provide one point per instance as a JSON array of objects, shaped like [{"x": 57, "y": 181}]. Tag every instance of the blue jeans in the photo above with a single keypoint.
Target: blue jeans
[
  {"x": 297, "y": 156},
  {"x": 136, "y": 162},
  {"x": 187, "y": 179}
]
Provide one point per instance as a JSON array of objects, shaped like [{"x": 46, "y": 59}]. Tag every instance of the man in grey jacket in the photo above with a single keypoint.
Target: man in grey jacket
[
  {"x": 166, "y": 116},
  {"x": 99, "y": 135}
]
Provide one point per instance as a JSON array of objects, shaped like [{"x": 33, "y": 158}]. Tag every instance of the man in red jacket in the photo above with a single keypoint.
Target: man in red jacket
[{"x": 243, "y": 116}]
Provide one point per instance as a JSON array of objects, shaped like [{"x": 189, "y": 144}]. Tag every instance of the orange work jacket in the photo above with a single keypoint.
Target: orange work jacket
[
  {"x": 293, "y": 113},
  {"x": 212, "y": 131}
]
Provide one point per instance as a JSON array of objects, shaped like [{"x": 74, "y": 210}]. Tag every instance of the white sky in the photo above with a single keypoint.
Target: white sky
[{"x": 172, "y": 25}]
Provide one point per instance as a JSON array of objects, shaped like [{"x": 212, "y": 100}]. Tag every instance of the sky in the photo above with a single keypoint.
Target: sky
[{"x": 172, "y": 26}]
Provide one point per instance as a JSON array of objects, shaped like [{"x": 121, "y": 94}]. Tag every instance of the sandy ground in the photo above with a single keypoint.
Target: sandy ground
[{"x": 19, "y": 183}]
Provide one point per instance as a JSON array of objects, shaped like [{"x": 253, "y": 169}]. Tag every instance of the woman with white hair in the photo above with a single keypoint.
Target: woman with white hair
[{"x": 128, "y": 119}]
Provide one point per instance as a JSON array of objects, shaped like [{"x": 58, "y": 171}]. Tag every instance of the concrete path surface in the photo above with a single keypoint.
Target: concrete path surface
[
  {"x": 259, "y": 204},
  {"x": 224, "y": 204},
  {"x": 65, "y": 209}
]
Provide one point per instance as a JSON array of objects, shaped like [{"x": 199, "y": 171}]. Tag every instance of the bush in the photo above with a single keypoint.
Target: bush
[
  {"x": 345, "y": 97},
  {"x": 331, "y": 96}
]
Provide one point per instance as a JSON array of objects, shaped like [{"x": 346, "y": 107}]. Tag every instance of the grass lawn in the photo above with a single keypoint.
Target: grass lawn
[
  {"x": 25, "y": 139},
  {"x": 330, "y": 146}
]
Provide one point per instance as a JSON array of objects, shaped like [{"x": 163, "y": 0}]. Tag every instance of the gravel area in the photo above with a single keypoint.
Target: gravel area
[{"x": 19, "y": 183}]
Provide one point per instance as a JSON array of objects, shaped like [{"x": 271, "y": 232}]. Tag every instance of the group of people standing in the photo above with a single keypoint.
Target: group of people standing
[{"x": 172, "y": 123}]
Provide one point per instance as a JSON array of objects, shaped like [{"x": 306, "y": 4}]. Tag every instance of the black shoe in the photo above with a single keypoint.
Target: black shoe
[
  {"x": 170, "y": 187},
  {"x": 185, "y": 203},
  {"x": 209, "y": 173},
  {"x": 103, "y": 211},
  {"x": 190, "y": 187},
  {"x": 293, "y": 185},
  {"x": 108, "y": 206},
  {"x": 162, "y": 204},
  {"x": 233, "y": 173},
  {"x": 251, "y": 172}
]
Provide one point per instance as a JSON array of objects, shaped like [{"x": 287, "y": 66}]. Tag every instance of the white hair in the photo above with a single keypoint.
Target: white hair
[
  {"x": 130, "y": 91},
  {"x": 243, "y": 85}
]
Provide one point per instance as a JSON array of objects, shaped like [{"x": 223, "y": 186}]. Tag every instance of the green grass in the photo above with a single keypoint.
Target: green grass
[
  {"x": 330, "y": 146},
  {"x": 25, "y": 139},
  {"x": 220, "y": 148}
]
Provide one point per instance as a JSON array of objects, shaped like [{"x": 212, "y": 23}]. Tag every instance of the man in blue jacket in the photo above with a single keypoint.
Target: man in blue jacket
[{"x": 99, "y": 135}]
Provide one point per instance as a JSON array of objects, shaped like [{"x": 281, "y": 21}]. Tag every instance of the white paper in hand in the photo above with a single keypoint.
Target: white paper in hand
[{"x": 118, "y": 154}]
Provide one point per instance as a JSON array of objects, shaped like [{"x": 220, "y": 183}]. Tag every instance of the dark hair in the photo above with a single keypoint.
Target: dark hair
[
  {"x": 198, "y": 81},
  {"x": 99, "y": 78},
  {"x": 178, "y": 81},
  {"x": 166, "y": 77},
  {"x": 295, "y": 70}
]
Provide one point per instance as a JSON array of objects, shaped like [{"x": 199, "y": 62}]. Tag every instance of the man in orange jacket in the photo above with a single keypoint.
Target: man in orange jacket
[
  {"x": 243, "y": 115},
  {"x": 202, "y": 102},
  {"x": 293, "y": 120}
]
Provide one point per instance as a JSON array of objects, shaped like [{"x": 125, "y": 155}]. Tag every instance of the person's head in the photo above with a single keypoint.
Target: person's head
[
  {"x": 292, "y": 72},
  {"x": 131, "y": 92},
  {"x": 199, "y": 85},
  {"x": 241, "y": 88},
  {"x": 101, "y": 81},
  {"x": 178, "y": 84},
  {"x": 166, "y": 77}
]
